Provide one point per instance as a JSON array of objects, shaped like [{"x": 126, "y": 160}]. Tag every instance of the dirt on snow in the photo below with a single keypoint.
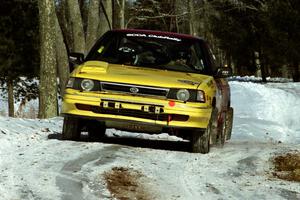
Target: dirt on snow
[
  {"x": 287, "y": 166},
  {"x": 124, "y": 184}
]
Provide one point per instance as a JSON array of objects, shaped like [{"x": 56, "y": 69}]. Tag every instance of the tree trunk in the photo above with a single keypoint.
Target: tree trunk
[
  {"x": 118, "y": 15},
  {"x": 296, "y": 72},
  {"x": 228, "y": 58},
  {"x": 104, "y": 24},
  {"x": 122, "y": 14},
  {"x": 62, "y": 58},
  {"x": 263, "y": 67},
  {"x": 65, "y": 25},
  {"x": 192, "y": 17},
  {"x": 177, "y": 10},
  {"x": 285, "y": 71},
  {"x": 10, "y": 91},
  {"x": 260, "y": 68},
  {"x": 93, "y": 24},
  {"x": 48, "y": 83},
  {"x": 263, "y": 73},
  {"x": 76, "y": 26}
]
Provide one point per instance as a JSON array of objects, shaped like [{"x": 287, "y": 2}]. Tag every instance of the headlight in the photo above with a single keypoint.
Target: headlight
[
  {"x": 183, "y": 95},
  {"x": 200, "y": 96},
  {"x": 87, "y": 84},
  {"x": 70, "y": 83}
]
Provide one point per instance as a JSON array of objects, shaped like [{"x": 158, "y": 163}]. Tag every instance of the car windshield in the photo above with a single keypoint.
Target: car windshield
[{"x": 152, "y": 51}]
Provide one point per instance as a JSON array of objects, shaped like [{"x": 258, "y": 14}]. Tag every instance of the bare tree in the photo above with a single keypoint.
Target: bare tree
[
  {"x": 118, "y": 14},
  {"x": 84, "y": 22},
  {"x": 64, "y": 22},
  {"x": 48, "y": 82},
  {"x": 192, "y": 17},
  {"x": 77, "y": 30},
  {"x": 122, "y": 13},
  {"x": 10, "y": 91},
  {"x": 62, "y": 58},
  {"x": 93, "y": 23},
  {"x": 105, "y": 16}
]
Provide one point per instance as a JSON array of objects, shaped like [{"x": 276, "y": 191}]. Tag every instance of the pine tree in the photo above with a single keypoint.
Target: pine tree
[{"x": 18, "y": 45}]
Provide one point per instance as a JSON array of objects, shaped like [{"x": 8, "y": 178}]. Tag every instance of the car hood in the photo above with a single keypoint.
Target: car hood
[{"x": 104, "y": 71}]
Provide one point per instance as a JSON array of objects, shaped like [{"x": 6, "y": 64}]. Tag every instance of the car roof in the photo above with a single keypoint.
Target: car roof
[{"x": 160, "y": 33}]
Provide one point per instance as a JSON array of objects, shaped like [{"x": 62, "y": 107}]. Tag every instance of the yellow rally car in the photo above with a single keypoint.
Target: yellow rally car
[{"x": 149, "y": 81}]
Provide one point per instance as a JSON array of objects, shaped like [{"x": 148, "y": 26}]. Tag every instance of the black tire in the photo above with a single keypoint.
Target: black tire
[
  {"x": 201, "y": 141},
  {"x": 214, "y": 126},
  {"x": 96, "y": 130},
  {"x": 229, "y": 123},
  {"x": 222, "y": 132},
  {"x": 71, "y": 129}
]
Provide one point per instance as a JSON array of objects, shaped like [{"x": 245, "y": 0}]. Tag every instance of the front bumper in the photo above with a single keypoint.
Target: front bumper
[{"x": 137, "y": 109}]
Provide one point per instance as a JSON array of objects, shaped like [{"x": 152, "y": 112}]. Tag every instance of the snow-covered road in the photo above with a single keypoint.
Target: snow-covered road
[{"x": 36, "y": 165}]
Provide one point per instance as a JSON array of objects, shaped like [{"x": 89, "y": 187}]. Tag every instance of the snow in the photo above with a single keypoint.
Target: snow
[
  {"x": 266, "y": 111},
  {"x": 35, "y": 165},
  {"x": 259, "y": 79}
]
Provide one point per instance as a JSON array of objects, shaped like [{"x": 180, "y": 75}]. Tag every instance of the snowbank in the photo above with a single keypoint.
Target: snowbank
[
  {"x": 269, "y": 111},
  {"x": 259, "y": 79}
]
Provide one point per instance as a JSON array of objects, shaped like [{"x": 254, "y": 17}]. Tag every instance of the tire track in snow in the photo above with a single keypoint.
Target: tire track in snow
[{"x": 72, "y": 179}]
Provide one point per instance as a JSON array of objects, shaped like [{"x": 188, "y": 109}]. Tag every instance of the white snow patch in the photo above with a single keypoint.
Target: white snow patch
[{"x": 266, "y": 111}]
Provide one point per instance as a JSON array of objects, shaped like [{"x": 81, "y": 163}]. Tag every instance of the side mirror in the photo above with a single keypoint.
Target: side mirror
[
  {"x": 75, "y": 59},
  {"x": 224, "y": 72}
]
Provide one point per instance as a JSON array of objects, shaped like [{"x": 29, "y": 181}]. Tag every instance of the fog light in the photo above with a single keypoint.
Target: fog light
[{"x": 87, "y": 84}]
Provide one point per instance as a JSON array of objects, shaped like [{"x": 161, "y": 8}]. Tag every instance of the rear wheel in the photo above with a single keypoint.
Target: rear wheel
[
  {"x": 214, "y": 126},
  {"x": 222, "y": 131},
  {"x": 229, "y": 122},
  {"x": 71, "y": 128}
]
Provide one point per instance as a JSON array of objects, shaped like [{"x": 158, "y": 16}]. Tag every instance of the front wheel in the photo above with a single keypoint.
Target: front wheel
[
  {"x": 201, "y": 141},
  {"x": 96, "y": 130},
  {"x": 71, "y": 128}
]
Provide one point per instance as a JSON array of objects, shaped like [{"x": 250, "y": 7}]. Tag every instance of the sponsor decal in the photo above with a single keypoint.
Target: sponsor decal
[
  {"x": 153, "y": 36},
  {"x": 189, "y": 82}
]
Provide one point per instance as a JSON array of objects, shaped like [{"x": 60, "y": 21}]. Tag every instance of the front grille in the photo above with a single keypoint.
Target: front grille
[
  {"x": 140, "y": 114},
  {"x": 133, "y": 113},
  {"x": 134, "y": 89}
]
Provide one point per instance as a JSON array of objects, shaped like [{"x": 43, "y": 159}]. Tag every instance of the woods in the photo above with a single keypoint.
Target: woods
[{"x": 253, "y": 37}]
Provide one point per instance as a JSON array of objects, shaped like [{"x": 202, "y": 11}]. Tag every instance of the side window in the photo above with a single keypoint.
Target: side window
[
  {"x": 108, "y": 49},
  {"x": 213, "y": 59},
  {"x": 104, "y": 49},
  {"x": 196, "y": 58},
  {"x": 208, "y": 58}
]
